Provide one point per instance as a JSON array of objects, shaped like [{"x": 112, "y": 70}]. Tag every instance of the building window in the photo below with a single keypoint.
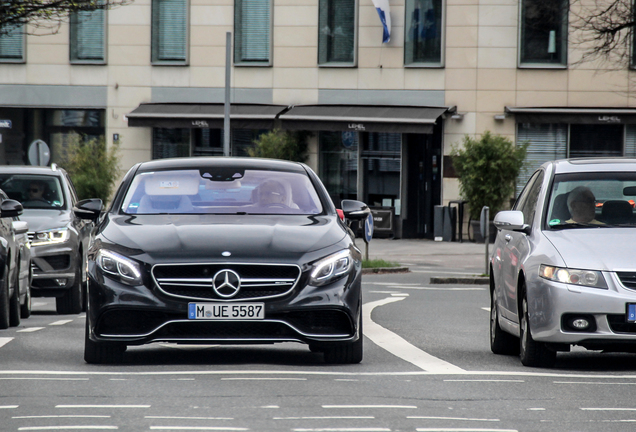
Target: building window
[
  {"x": 339, "y": 164},
  {"x": 381, "y": 155},
  {"x": 252, "y": 32},
  {"x": 545, "y": 142},
  {"x": 337, "y": 32},
  {"x": 423, "y": 33},
  {"x": 543, "y": 39},
  {"x": 88, "y": 29},
  {"x": 169, "y": 31},
  {"x": 12, "y": 46}
]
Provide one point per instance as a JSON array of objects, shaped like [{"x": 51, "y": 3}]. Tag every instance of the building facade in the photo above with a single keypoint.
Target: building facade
[{"x": 381, "y": 118}]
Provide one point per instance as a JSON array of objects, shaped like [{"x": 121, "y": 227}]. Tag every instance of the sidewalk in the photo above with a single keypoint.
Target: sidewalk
[{"x": 440, "y": 260}]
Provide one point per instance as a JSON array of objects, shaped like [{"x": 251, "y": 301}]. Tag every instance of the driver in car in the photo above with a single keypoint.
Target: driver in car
[
  {"x": 270, "y": 193},
  {"x": 582, "y": 206},
  {"x": 36, "y": 191}
]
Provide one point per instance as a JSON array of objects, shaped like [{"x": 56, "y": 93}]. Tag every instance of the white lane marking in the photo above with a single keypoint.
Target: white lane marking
[
  {"x": 262, "y": 379},
  {"x": 326, "y": 418},
  {"x": 188, "y": 418},
  {"x": 399, "y": 295},
  {"x": 60, "y": 322},
  {"x": 483, "y": 380},
  {"x": 38, "y": 304},
  {"x": 607, "y": 409},
  {"x": 399, "y": 347},
  {"x": 87, "y": 427},
  {"x": 8, "y": 406},
  {"x": 463, "y": 430},
  {"x": 487, "y": 309},
  {"x": 61, "y": 416},
  {"x": 102, "y": 406},
  {"x": 5, "y": 340},
  {"x": 44, "y": 379},
  {"x": 535, "y": 409},
  {"x": 452, "y": 418},
  {"x": 29, "y": 329},
  {"x": 270, "y": 407},
  {"x": 441, "y": 288},
  {"x": 214, "y": 428},
  {"x": 369, "y": 406},
  {"x": 342, "y": 430}
]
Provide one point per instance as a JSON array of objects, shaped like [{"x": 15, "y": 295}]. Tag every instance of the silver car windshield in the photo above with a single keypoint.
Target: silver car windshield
[
  {"x": 592, "y": 200},
  {"x": 210, "y": 191}
]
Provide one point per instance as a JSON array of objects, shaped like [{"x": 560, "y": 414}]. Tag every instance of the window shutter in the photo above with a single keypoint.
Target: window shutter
[
  {"x": 546, "y": 142},
  {"x": 169, "y": 23},
  {"x": 88, "y": 35},
  {"x": 253, "y": 23},
  {"x": 12, "y": 44}
]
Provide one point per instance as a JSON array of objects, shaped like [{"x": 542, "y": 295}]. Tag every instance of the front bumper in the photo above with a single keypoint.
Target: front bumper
[
  {"x": 54, "y": 269},
  {"x": 144, "y": 314},
  {"x": 551, "y": 304}
]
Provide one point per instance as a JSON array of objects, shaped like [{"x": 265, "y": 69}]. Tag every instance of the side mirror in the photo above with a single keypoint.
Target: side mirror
[
  {"x": 355, "y": 210},
  {"x": 20, "y": 227},
  {"x": 511, "y": 220},
  {"x": 10, "y": 208},
  {"x": 88, "y": 209}
]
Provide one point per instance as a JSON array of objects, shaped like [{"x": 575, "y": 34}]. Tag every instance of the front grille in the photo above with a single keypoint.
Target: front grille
[
  {"x": 132, "y": 322},
  {"x": 628, "y": 279},
  {"x": 618, "y": 324},
  {"x": 194, "y": 281},
  {"x": 57, "y": 262},
  {"x": 225, "y": 330}
]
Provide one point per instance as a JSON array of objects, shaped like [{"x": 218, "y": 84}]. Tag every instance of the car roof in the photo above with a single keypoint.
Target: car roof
[
  {"x": 30, "y": 169},
  {"x": 576, "y": 165},
  {"x": 222, "y": 161}
]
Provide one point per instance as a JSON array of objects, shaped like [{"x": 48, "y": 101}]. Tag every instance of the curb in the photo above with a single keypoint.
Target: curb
[
  {"x": 384, "y": 270},
  {"x": 477, "y": 280}
]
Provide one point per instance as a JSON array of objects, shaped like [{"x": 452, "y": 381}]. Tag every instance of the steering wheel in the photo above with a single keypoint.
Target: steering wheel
[{"x": 280, "y": 205}]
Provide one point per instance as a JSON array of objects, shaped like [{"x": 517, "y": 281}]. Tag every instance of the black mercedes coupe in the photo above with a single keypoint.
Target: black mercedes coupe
[{"x": 224, "y": 251}]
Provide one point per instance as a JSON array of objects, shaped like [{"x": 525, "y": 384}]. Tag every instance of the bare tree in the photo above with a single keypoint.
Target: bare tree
[
  {"x": 604, "y": 30},
  {"x": 46, "y": 16}
]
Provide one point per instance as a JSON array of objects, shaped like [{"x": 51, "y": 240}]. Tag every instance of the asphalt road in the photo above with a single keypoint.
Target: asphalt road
[{"x": 427, "y": 367}]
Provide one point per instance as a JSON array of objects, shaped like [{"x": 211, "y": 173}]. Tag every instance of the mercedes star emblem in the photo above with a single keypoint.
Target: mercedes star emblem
[{"x": 226, "y": 283}]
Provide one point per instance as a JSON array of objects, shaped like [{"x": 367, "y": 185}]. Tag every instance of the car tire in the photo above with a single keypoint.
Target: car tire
[
  {"x": 72, "y": 301},
  {"x": 531, "y": 352},
  {"x": 500, "y": 341},
  {"x": 102, "y": 352},
  {"x": 25, "y": 309},
  {"x": 14, "y": 302},
  {"x": 350, "y": 353},
  {"x": 4, "y": 300}
]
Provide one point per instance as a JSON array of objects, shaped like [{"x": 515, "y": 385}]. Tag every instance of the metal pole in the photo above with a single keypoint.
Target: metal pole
[{"x": 228, "y": 75}]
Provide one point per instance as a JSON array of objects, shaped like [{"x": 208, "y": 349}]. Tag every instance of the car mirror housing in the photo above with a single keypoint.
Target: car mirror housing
[
  {"x": 355, "y": 210},
  {"x": 10, "y": 208},
  {"x": 88, "y": 208},
  {"x": 511, "y": 220},
  {"x": 20, "y": 227}
]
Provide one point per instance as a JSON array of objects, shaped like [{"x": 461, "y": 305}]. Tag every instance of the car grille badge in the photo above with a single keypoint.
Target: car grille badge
[{"x": 226, "y": 283}]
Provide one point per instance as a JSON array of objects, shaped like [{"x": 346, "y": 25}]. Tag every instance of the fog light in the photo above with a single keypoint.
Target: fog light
[
  {"x": 60, "y": 282},
  {"x": 580, "y": 323}
]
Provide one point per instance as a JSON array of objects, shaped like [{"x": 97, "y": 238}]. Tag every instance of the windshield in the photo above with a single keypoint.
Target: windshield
[
  {"x": 221, "y": 191},
  {"x": 592, "y": 200},
  {"x": 34, "y": 191}
]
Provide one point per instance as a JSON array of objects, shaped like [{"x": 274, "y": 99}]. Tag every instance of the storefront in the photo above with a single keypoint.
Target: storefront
[{"x": 387, "y": 156}]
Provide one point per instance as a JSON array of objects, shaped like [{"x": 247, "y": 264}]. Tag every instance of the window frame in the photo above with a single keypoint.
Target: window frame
[
  {"x": 72, "y": 24},
  {"x": 23, "y": 48},
  {"x": 154, "y": 61},
  {"x": 428, "y": 65},
  {"x": 565, "y": 24},
  {"x": 354, "y": 62},
  {"x": 270, "y": 61}
]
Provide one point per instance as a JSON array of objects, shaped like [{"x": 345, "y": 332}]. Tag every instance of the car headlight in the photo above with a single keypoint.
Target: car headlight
[
  {"x": 588, "y": 278},
  {"x": 52, "y": 236},
  {"x": 331, "y": 268},
  {"x": 119, "y": 267}
]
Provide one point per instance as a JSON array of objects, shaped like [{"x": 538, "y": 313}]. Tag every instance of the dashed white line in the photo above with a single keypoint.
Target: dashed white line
[
  {"x": 86, "y": 427},
  {"x": 327, "y": 418},
  {"x": 5, "y": 340},
  {"x": 607, "y": 409},
  {"x": 44, "y": 379},
  {"x": 102, "y": 406},
  {"x": 8, "y": 406},
  {"x": 212, "y": 428},
  {"x": 591, "y": 383},
  {"x": 61, "y": 322},
  {"x": 60, "y": 416},
  {"x": 29, "y": 329},
  {"x": 343, "y": 430},
  {"x": 463, "y": 430},
  {"x": 188, "y": 418},
  {"x": 370, "y": 406},
  {"x": 483, "y": 380},
  {"x": 262, "y": 379},
  {"x": 452, "y": 418}
]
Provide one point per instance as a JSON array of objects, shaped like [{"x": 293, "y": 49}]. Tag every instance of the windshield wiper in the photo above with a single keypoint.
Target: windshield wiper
[{"x": 577, "y": 225}]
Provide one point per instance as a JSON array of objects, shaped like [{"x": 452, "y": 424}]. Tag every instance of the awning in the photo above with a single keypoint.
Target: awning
[
  {"x": 182, "y": 115},
  {"x": 400, "y": 119},
  {"x": 582, "y": 115}
]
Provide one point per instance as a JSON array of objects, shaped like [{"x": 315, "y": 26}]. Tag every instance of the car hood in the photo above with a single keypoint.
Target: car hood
[
  {"x": 204, "y": 237},
  {"x": 608, "y": 249},
  {"x": 40, "y": 220}
]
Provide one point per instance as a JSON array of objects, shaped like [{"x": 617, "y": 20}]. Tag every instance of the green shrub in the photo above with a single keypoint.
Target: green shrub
[
  {"x": 92, "y": 166},
  {"x": 277, "y": 144},
  {"x": 487, "y": 169}
]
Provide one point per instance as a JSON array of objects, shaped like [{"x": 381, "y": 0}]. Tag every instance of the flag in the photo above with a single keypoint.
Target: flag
[{"x": 382, "y": 6}]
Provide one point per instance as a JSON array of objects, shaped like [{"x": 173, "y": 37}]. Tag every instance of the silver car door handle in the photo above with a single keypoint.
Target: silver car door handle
[{"x": 507, "y": 237}]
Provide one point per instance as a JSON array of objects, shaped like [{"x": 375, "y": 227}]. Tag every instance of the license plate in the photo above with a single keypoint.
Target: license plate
[
  {"x": 631, "y": 312},
  {"x": 226, "y": 311}
]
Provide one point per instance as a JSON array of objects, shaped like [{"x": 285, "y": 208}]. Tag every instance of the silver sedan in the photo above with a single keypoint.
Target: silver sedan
[{"x": 563, "y": 271}]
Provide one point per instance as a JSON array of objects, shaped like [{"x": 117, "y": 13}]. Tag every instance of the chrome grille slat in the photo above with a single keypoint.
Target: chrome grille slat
[{"x": 258, "y": 281}]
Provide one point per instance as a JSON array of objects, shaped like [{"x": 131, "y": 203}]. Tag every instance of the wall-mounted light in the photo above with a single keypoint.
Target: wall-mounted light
[
  {"x": 457, "y": 116},
  {"x": 500, "y": 117}
]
